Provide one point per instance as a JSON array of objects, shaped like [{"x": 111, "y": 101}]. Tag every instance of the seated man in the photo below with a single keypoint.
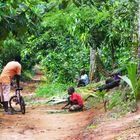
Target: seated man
[
  {"x": 75, "y": 101},
  {"x": 83, "y": 79}
]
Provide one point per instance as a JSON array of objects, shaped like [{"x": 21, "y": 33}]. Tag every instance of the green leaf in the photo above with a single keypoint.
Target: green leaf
[{"x": 127, "y": 80}]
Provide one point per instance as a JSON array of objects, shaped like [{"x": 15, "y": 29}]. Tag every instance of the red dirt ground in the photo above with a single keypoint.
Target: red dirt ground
[
  {"x": 38, "y": 124},
  {"x": 123, "y": 128}
]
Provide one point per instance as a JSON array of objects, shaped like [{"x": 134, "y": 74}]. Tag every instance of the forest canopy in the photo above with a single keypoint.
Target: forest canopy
[{"x": 60, "y": 34}]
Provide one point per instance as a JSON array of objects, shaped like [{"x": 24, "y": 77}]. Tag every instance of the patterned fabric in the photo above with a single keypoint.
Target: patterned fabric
[
  {"x": 76, "y": 107},
  {"x": 4, "y": 92}
]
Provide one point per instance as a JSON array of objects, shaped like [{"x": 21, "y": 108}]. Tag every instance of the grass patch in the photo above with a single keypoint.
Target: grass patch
[
  {"x": 117, "y": 97},
  {"x": 52, "y": 89}
]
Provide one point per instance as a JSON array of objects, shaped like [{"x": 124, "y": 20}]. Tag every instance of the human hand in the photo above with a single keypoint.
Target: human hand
[
  {"x": 13, "y": 85},
  {"x": 63, "y": 107}
]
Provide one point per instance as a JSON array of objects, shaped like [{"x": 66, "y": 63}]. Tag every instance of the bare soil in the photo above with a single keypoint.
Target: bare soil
[
  {"x": 107, "y": 128},
  {"x": 40, "y": 124},
  {"x": 37, "y": 123}
]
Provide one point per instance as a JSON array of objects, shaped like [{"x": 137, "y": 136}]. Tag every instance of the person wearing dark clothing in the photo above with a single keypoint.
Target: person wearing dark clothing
[{"x": 110, "y": 83}]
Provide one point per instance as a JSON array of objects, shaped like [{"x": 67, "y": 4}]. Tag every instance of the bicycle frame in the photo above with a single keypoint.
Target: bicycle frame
[
  {"x": 17, "y": 99},
  {"x": 17, "y": 93}
]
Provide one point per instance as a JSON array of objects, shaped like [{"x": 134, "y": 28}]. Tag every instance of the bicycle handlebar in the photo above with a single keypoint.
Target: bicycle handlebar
[{"x": 19, "y": 88}]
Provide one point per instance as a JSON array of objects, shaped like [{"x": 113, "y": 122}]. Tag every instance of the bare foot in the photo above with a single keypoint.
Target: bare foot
[{"x": 94, "y": 90}]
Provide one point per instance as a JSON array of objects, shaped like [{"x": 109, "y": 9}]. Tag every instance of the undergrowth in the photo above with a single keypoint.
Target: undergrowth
[
  {"x": 118, "y": 99},
  {"x": 52, "y": 89}
]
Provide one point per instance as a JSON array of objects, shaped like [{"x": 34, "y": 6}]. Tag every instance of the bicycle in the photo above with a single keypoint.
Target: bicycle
[{"x": 16, "y": 101}]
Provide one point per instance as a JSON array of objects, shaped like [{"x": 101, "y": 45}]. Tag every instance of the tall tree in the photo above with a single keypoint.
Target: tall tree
[
  {"x": 138, "y": 39},
  {"x": 92, "y": 64},
  {"x": 138, "y": 68}
]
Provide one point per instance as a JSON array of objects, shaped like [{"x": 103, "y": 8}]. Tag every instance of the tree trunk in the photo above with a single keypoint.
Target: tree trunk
[
  {"x": 139, "y": 40},
  {"x": 92, "y": 64},
  {"x": 138, "y": 68}
]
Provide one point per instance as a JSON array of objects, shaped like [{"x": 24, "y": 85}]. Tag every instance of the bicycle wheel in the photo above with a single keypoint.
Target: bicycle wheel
[
  {"x": 14, "y": 104},
  {"x": 22, "y": 105}
]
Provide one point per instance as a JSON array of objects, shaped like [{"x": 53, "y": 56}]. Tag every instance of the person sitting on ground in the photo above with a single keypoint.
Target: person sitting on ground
[
  {"x": 75, "y": 101},
  {"x": 83, "y": 79},
  {"x": 110, "y": 83},
  {"x": 11, "y": 70}
]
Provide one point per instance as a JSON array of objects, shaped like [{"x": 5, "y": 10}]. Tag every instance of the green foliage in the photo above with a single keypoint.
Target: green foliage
[
  {"x": 121, "y": 102},
  {"x": 17, "y": 22},
  {"x": 27, "y": 75},
  {"x": 9, "y": 49},
  {"x": 114, "y": 100},
  {"x": 52, "y": 89},
  {"x": 106, "y": 26},
  {"x": 69, "y": 62},
  {"x": 132, "y": 79},
  {"x": 91, "y": 100},
  {"x": 94, "y": 99},
  {"x": 58, "y": 34},
  {"x": 118, "y": 32}
]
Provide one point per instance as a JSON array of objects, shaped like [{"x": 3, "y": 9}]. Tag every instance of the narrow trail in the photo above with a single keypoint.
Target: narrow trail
[{"x": 39, "y": 124}]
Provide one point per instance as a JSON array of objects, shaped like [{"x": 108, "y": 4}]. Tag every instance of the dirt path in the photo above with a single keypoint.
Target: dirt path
[
  {"x": 107, "y": 128},
  {"x": 39, "y": 124}
]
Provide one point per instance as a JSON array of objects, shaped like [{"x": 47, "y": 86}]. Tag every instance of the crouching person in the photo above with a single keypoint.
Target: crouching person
[{"x": 75, "y": 101}]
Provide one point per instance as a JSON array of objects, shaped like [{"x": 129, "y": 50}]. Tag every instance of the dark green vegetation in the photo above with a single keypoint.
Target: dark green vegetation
[{"x": 62, "y": 36}]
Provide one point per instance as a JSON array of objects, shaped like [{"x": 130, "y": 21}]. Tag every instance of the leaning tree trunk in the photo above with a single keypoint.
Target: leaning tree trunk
[
  {"x": 138, "y": 40},
  {"x": 96, "y": 66},
  {"x": 138, "y": 72},
  {"x": 92, "y": 64},
  {"x": 138, "y": 69}
]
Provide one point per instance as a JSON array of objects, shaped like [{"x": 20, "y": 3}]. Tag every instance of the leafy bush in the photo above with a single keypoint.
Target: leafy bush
[
  {"x": 27, "y": 75},
  {"x": 10, "y": 48},
  {"x": 114, "y": 100},
  {"x": 132, "y": 80}
]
